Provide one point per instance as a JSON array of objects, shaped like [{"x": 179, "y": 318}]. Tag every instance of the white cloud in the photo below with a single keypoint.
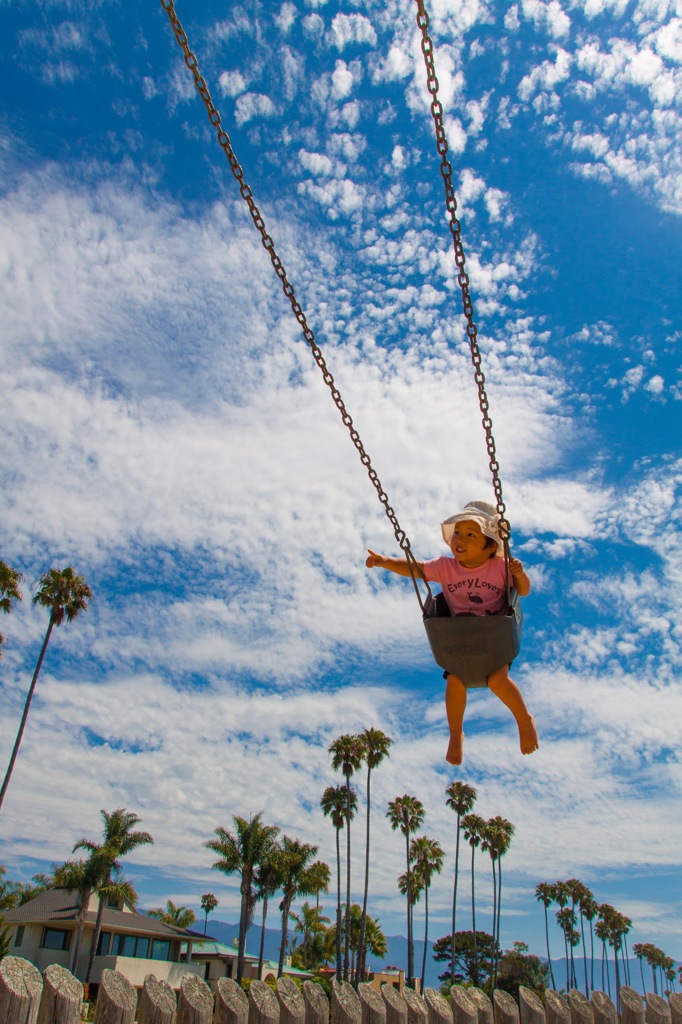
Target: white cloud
[
  {"x": 252, "y": 105},
  {"x": 342, "y": 81},
  {"x": 231, "y": 83},
  {"x": 286, "y": 17},
  {"x": 352, "y": 28}
]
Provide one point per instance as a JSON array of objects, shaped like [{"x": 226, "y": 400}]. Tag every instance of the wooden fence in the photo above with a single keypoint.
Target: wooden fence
[{"x": 56, "y": 997}]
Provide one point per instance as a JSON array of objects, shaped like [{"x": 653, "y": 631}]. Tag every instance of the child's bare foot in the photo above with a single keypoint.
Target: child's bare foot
[
  {"x": 454, "y": 754},
  {"x": 528, "y": 736}
]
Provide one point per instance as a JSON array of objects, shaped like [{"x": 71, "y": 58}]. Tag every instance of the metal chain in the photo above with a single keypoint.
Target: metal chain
[
  {"x": 287, "y": 288},
  {"x": 463, "y": 277}
]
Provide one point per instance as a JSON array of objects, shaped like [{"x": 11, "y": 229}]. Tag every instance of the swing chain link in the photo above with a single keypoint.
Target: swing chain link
[
  {"x": 460, "y": 260},
  {"x": 287, "y": 287}
]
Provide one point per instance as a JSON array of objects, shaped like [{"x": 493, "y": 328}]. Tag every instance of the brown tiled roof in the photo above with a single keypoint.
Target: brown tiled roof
[{"x": 58, "y": 906}]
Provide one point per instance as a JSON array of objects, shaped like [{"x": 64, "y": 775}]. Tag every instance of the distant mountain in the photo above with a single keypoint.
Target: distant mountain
[{"x": 397, "y": 957}]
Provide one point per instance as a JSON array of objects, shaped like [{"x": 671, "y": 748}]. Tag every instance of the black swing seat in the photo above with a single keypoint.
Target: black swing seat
[{"x": 472, "y": 646}]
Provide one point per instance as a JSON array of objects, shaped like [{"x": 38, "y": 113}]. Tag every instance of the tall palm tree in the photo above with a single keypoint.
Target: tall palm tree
[
  {"x": 577, "y": 891},
  {"x": 472, "y": 826},
  {"x": 239, "y": 852},
  {"x": 66, "y": 594},
  {"x": 428, "y": 857},
  {"x": 346, "y": 753},
  {"x": 602, "y": 932},
  {"x": 587, "y": 906},
  {"x": 10, "y": 580},
  {"x": 497, "y": 835},
  {"x": 208, "y": 904},
  {"x": 544, "y": 891},
  {"x": 411, "y": 886},
  {"x": 407, "y": 814},
  {"x": 177, "y": 916},
  {"x": 375, "y": 747},
  {"x": 561, "y": 898},
  {"x": 267, "y": 880},
  {"x": 319, "y": 878},
  {"x": 334, "y": 804},
  {"x": 297, "y": 881},
  {"x": 460, "y": 799},
  {"x": 118, "y": 840}
]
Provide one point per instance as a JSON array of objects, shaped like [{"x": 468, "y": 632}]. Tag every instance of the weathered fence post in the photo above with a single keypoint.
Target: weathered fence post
[
  {"x": 675, "y": 1004},
  {"x": 463, "y": 1009},
  {"x": 556, "y": 1008},
  {"x": 21, "y": 987},
  {"x": 437, "y": 1007},
  {"x": 417, "y": 1012},
  {"x": 231, "y": 1003},
  {"x": 581, "y": 1011},
  {"x": 346, "y": 1007},
  {"x": 195, "y": 1002},
  {"x": 505, "y": 1008},
  {"x": 62, "y": 998},
  {"x": 116, "y": 999},
  {"x": 291, "y": 1005},
  {"x": 603, "y": 1009},
  {"x": 484, "y": 1008},
  {"x": 396, "y": 1007},
  {"x": 631, "y": 1006},
  {"x": 531, "y": 1009},
  {"x": 156, "y": 1002},
  {"x": 263, "y": 1005},
  {"x": 372, "y": 1006},
  {"x": 316, "y": 1003},
  {"x": 657, "y": 1010}
]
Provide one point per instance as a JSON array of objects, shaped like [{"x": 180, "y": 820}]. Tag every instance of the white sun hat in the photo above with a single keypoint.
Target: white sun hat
[{"x": 476, "y": 512}]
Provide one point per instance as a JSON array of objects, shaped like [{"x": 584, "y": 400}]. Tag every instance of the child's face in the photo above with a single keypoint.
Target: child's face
[{"x": 469, "y": 545}]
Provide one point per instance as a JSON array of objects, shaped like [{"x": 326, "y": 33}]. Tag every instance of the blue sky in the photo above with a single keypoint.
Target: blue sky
[{"x": 167, "y": 432}]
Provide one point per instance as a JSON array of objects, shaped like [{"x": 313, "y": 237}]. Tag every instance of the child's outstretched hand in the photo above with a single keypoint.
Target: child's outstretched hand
[
  {"x": 515, "y": 566},
  {"x": 373, "y": 560}
]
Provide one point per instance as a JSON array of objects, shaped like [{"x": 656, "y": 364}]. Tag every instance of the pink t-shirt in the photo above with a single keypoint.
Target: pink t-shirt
[{"x": 480, "y": 591}]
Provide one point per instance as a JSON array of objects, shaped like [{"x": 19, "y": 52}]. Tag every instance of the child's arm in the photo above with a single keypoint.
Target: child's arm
[
  {"x": 521, "y": 581},
  {"x": 397, "y": 565}
]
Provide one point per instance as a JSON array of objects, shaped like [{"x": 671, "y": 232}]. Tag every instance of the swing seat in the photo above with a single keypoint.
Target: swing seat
[{"x": 472, "y": 646}]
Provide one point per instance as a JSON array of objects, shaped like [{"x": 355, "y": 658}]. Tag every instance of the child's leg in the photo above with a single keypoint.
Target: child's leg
[
  {"x": 455, "y": 703},
  {"x": 509, "y": 693}
]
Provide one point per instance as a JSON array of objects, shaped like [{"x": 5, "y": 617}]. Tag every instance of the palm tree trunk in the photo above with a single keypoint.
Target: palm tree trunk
[
  {"x": 426, "y": 933},
  {"x": 95, "y": 939},
  {"x": 454, "y": 909},
  {"x": 582, "y": 931},
  {"x": 499, "y": 917},
  {"x": 346, "y": 940},
  {"x": 27, "y": 705},
  {"x": 261, "y": 951},
  {"x": 285, "y": 908},
  {"x": 243, "y": 925},
  {"x": 591, "y": 957},
  {"x": 410, "y": 945},
  {"x": 78, "y": 942},
  {"x": 338, "y": 905},
  {"x": 494, "y": 931},
  {"x": 549, "y": 958},
  {"x": 473, "y": 918},
  {"x": 363, "y": 921}
]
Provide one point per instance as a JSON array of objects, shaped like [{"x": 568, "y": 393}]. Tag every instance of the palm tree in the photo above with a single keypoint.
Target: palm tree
[
  {"x": 297, "y": 881},
  {"x": 320, "y": 877},
  {"x": 407, "y": 814},
  {"x": 375, "y": 747},
  {"x": 428, "y": 857},
  {"x": 66, "y": 594},
  {"x": 602, "y": 932},
  {"x": 82, "y": 878},
  {"x": 310, "y": 925},
  {"x": 588, "y": 910},
  {"x": 544, "y": 891},
  {"x": 238, "y": 853},
  {"x": 460, "y": 799},
  {"x": 577, "y": 891},
  {"x": 178, "y": 917},
  {"x": 411, "y": 886},
  {"x": 334, "y": 805},
  {"x": 118, "y": 840},
  {"x": 346, "y": 753},
  {"x": 10, "y": 580},
  {"x": 472, "y": 826},
  {"x": 267, "y": 880},
  {"x": 208, "y": 904},
  {"x": 561, "y": 897},
  {"x": 497, "y": 837}
]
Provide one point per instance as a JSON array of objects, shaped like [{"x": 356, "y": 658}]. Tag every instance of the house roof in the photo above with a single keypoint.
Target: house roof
[
  {"x": 60, "y": 907},
  {"x": 212, "y": 950}
]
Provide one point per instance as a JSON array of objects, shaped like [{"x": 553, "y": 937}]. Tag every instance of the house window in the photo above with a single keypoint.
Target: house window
[
  {"x": 160, "y": 950},
  {"x": 131, "y": 945},
  {"x": 56, "y": 938},
  {"x": 19, "y": 937},
  {"x": 103, "y": 944},
  {"x": 142, "y": 948}
]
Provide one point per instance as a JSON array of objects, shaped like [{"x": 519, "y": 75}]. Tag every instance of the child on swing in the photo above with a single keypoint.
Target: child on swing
[{"x": 474, "y": 583}]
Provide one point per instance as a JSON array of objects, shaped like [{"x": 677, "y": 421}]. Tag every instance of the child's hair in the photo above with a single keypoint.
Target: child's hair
[{"x": 485, "y": 516}]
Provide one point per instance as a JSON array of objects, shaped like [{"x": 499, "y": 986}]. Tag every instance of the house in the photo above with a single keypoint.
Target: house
[
  {"x": 44, "y": 929},
  {"x": 220, "y": 961}
]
